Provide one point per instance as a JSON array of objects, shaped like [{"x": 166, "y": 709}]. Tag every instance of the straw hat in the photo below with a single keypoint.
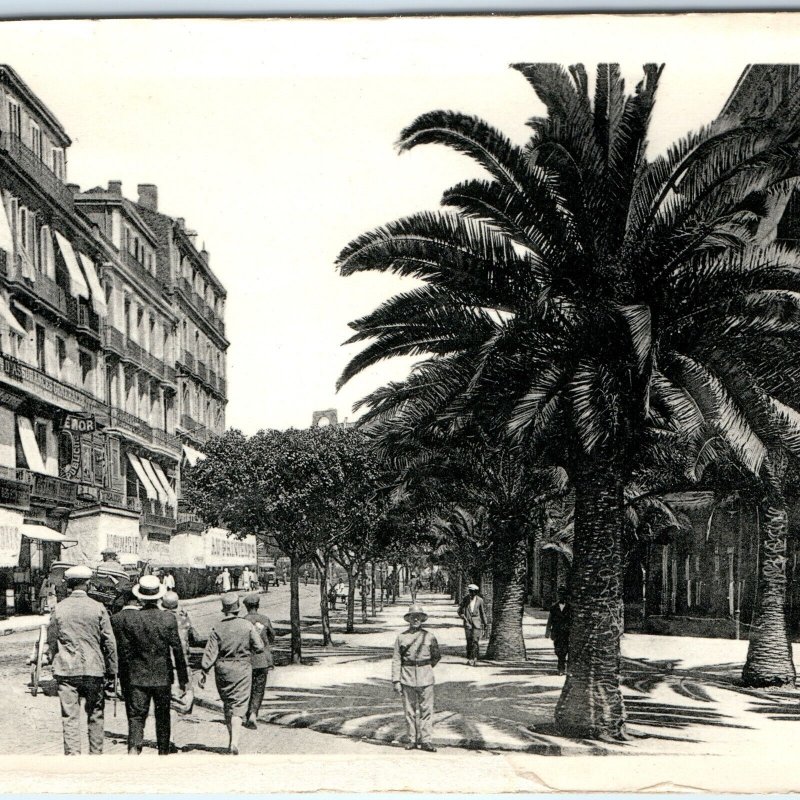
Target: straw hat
[
  {"x": 416, "y": 611},
  {"x": 170, "y": 601},
  {"x": 149, "y": 588},
  {"x": 473, "y": 587},
  {"x": 79, "y": 573}
]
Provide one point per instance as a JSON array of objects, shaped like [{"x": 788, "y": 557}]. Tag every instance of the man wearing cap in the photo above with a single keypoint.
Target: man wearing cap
[
  {"x": 111, "y": 560},
  {"x": 261, "y": 663},
  {"x": 148, "y": 643},
  {"x": 83, "y": 654},
  {"x": 416, "y": 653},
  {"x": 473, "y": 611}
]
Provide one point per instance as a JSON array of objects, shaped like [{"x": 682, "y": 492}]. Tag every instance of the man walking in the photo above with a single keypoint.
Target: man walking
[
  {"x": 413, "y": 585},
  {"x": 558, "y": 624},
  {"x": 148, "y": 642},
  {"x": 261, "y": 663},
  {"x": 473, "y": 612},
  {"x": 84, "y": 654},
  {"x": 416, "y": 653},
  {"x": 130, "y": 605}
]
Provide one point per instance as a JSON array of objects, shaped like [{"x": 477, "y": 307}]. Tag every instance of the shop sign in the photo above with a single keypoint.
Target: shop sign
[
  {"x": 79, "y": 423},
  {"x": 15, "y": 494},
  {"x": 10, "y": 541},
  {"x": 224, "y": 550},
  {"x": 122, "y": 543}
]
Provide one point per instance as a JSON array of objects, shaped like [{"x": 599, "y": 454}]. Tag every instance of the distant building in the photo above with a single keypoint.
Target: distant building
[{"x": 329, "y": 416}]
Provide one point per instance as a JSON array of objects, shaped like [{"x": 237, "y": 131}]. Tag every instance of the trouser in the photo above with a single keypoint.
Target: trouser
[
  {"x": 139, "y": 707},
  {"x": 418, "y": 708},
  {"x": 562, "y": 652},
  {"x": 473, "y": 635},
  {"x": 70, "y": 692},
  {"x": 257, "y": 688},
  {"x": 413, "y": 594}
]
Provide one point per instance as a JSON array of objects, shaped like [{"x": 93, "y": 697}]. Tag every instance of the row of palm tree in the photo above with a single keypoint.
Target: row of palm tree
[{"x": 584, "y": 304}]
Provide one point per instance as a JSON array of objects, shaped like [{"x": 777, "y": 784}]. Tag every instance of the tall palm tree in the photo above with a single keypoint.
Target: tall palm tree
[{"x": 579, "y": 284}]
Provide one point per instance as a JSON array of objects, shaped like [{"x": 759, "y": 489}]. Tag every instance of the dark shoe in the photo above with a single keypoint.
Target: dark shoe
[
  {"x": 411, "y": 746},
  {"x": 250, "y": 724},
  {"x": 428, "y": 748}
]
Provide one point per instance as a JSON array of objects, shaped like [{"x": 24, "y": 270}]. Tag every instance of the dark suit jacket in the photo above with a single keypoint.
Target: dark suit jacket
[
  {"x": 477, "y": 619},
  {"x": 558, "y": 623},
  {"x": 147, "y": 642}
]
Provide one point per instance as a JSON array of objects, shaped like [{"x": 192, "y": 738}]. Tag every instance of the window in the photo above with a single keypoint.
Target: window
[
  {"x": 40, "y": 431},
  {"x": 151, "y": 340},
  {"x": 23, "y": 228},
  {"x": 14, "y": 118},
  {"x": 36, "y": 140},
  {"x": 87, "y": 368},
  {"x": 58, "y": 163},
  {"x": 45, "y": 243},
  {"x": 40, "y": 347},
  {"x": 139, "y": 323},
  {"x": 61, "y": 355},
  {"x": 127, "y": 317},
  {"x": 127, "y": 239}
]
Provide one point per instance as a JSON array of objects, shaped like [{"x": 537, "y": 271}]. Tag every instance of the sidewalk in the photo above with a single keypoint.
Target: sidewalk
[{"x": 681, "y": 693}]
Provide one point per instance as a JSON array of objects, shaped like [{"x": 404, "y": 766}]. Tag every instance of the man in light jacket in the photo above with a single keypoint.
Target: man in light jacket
[
  {"x": 84, "y": 655},
  {"x": 473, "y": 611}
]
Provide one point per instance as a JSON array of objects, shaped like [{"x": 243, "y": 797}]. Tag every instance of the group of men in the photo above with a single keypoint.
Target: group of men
[{"x": 145, "y": 646}]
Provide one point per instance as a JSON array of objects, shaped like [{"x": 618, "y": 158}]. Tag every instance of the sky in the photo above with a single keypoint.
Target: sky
[{"x": 275, "y": 140}]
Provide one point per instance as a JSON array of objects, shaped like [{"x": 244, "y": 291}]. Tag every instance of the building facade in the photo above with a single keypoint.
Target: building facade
[{"x": 113, "y": 360}]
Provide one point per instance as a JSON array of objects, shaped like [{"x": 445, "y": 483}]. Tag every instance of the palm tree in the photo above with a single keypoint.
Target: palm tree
[{"x": 579, "y": 285}]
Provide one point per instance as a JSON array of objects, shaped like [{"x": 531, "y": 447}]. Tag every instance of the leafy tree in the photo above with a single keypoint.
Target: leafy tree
[{"x": 589, "y": 295}]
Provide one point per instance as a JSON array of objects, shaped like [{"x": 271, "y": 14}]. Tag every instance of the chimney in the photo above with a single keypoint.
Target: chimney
[
  {"x": 181, "y": 222},
  {"x": 204, "y": 255},
  {"x": 74, "y": 188},
  {"x": 115, "y": 187},
  {"x": 148, "y": 196}
]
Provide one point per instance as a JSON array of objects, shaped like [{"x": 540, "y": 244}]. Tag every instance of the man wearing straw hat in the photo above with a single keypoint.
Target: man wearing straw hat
[
  {"x": 416, "y": 653},
  {"x": 473, "y": 611},
  {"x": 149, "y": 642}
]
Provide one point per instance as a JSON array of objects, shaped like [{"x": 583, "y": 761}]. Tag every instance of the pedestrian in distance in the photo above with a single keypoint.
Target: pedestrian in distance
[
  {"x": 472, "y": 611},
  {"x": 305, "y": 577},
  {"x": 84, "y": 654},
  {"x": 416, "y": 653},
  {"x": 169, "y": 581},
  {"x": 149, "y": 644},
  {"x": 261, "y": 663},
  {"x": 557, "y": 629},
  {"x": 223, "y": 581},
  {"x": 413, "y": 586},
  {"x": 332, "y": 598},
  {"x": 229, "y": 649}
]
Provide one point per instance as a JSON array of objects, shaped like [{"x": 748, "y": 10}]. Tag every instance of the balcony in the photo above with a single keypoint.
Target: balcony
[
  {"x": 129, "y": 422},
  {"x": 44, "y": 177},
  {"x": 195, "y": 428},
  {"x": 170, "y": 374},
  {"x": 141, "y": 272},
  {"x": 158, "y": 515},
  {"x": 188, "y": 360},
  {"x": 223, "y": 387},
  {"x": 165, "y": 439},
  {"x": 52, "y": 491},
  {"x": 200, "y": 305},
  {"x": 49, "y": 389},
  {"x": 15, "y": 488},
  {"x": 46, "y": 290},
  {"x": 202, "y": 371}
]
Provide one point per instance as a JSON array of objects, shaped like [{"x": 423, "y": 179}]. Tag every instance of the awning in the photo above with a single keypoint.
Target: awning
[
  {"x": 6, "y": 236},
  {"x": 192, "y": 455},
  {"x": 77, "y": 284},
  {"x": 30, "y": 446},
  {"x": 98, "y": 295},
  {"x": 8, "y": 316},
  {"x": 44, "y": 534},
  {"x": 142, "y": 476},
  {"x": 173, "y": 498},
  {"x": 163, "y": 497}
]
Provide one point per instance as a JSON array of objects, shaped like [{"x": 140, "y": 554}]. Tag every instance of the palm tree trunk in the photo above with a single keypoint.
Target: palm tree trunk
[
  {"x": 769, "y": 656},
  {"x": 506, "y": 642},
  {"x": 590, "y": 705},
  {"x": 351, "y": 600},
  {"x": 294, "y": 608}
]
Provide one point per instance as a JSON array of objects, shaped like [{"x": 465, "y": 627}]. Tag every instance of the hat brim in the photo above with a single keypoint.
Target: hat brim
[
  {"x": 157, "y": 596},
  {"x": 417, "y": 615}
]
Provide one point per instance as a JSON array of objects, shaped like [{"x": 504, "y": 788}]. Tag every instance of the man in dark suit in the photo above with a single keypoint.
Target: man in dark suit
[
  {"x": 148, "y": 642},
  {"x": 473, "y": 612},
  {"x": 558, "y": 623}
]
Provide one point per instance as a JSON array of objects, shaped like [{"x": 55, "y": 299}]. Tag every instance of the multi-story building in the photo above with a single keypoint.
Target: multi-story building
[{"x": 112, "y": 352}]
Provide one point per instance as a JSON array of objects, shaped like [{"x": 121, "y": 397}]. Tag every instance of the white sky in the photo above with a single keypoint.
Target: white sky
[{"x": 275, "y": 140}]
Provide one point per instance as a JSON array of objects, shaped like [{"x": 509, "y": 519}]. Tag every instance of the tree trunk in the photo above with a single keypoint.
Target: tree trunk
[
  {"x": 324, "y": 611},
  {"x": 372, "y": 591},
  {"x": 351, "y": 600},
  {"x": 769, "y": 656},
  {"x": 590, "y": 705},
  {"x": 363, "y": 577},
  {"x": 508, "y": 604},
  {"x": 294, "y": 608}
]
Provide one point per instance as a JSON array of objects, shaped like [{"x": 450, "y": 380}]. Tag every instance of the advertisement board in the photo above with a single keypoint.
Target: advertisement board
[{"x": 222, "y": 549}]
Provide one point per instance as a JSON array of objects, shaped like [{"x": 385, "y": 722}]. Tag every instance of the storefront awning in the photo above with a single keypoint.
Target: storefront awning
[
  {"x": 192, "y": 455},
  {"x": 44, "y": 534},
  {"x": 149, "y": 489},
  {"x": 163, "y": 497},
  {"x": 8, "y": 316},
  {"x": 30, "y": 447},
  {"x": 173, "y": 498},
  {"x": 98, "y": 295},
  {"x": 77, "y": 284}
]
